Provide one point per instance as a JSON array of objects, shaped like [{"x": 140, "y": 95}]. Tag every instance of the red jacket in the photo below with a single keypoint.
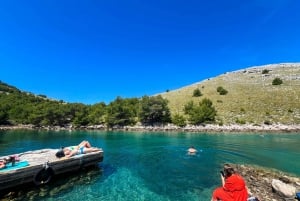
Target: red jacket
[{"x": 236, "y": 187}]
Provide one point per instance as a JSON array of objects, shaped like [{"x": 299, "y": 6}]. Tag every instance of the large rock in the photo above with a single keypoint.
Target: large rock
[{"x": 283, "y": 189}]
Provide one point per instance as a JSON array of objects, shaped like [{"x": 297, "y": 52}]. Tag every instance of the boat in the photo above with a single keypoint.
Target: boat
[{"x": 39, "y": 167}]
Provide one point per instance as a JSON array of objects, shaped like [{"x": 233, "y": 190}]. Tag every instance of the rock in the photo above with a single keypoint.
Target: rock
[{"x": 283, "y": 189}]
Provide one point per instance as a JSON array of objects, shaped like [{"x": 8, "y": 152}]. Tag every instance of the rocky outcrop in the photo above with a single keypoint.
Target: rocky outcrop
[{"x": 268, "y": 184}]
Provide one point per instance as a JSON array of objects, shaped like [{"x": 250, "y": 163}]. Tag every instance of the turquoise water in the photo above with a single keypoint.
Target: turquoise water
[{"x": 152, "y": 166}]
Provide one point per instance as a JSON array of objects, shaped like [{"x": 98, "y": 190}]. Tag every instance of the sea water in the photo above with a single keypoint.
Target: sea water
[{"x": 152, "y": 166}]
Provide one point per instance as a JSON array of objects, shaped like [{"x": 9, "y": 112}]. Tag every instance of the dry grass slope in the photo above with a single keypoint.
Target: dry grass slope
[{"x": 251, "y": 97}]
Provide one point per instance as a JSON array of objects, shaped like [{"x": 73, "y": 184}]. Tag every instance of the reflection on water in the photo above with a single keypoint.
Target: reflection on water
[
  {"x": 152, "y": 166},
  {"x": 59, "y": 185}
]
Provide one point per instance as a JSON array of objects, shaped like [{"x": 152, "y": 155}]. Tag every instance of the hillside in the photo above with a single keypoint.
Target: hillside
[{"x": 251, "y": 97}]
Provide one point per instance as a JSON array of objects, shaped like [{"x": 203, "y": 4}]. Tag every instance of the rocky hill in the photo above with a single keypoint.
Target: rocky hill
[{"x": 252, "y": 96}]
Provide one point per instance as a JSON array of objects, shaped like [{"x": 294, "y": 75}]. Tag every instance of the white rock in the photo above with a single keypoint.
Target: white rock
[{"x": 283, "y": 189}]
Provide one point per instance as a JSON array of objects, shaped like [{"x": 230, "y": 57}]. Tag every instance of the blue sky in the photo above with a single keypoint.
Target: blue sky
[{"x": 93, "y": 51}]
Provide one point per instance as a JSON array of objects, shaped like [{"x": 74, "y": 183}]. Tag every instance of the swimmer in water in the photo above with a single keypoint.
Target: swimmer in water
[{"x": 192, "y": 150}]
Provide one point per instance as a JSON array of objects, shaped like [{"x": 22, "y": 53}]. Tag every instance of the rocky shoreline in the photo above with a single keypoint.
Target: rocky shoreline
[
  {"x": 268, "y": 184},
  {"x": 210, "y": 128}
]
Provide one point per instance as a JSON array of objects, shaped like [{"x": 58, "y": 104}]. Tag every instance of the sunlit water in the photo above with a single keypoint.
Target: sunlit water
[{"x": 152, "y": 166}]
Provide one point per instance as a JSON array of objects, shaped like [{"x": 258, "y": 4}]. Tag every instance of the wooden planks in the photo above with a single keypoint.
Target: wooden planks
[{"x": 40, "y": 159}]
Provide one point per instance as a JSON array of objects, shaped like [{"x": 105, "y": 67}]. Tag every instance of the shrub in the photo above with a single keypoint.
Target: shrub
[
  {"x": 222, "y": 91},
  {"x": 204, "y": 112},
  {"x": 240, "y": 121},
  {"x": 265, "y": 71},
  {"x": 197, "y": 93},
  {"x": 267, "y": 122},
  {"x": 179, "y": 120},
  {"x": 277, "y": 81}
]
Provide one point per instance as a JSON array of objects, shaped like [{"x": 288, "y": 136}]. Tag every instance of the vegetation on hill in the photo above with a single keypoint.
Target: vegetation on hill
[
  {"x": 258, "y": 95},
  {"x": 17, "y": 107}
]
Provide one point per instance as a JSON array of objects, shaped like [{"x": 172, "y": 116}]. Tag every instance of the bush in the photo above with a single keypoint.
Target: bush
[
  {"x": 265, "y": 71},
  {"x": 240, "y": 121},
  {"x": 222, "y": 91},
  {"x": 197, "y": 93},
  {"x": 277, "y": 81},
  {"x": 267, "y": 122},
  {"x": 179, "y": 120},
  {"x": 204, "y": 112}
]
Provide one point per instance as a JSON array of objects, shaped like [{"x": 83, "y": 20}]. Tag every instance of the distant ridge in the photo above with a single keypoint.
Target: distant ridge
[{"x": 251, "y": 97}]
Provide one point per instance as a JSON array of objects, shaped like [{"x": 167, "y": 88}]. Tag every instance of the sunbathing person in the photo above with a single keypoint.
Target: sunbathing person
[
  {"x": 83, "y": 148},
  {"x": 9, "y": 159},
  {"x": 2, "y": 163}
]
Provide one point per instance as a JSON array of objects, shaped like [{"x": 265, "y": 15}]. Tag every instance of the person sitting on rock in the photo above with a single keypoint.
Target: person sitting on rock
[
  {"x": 233, "y": 186},
  {"x": 83, "y": 148}
]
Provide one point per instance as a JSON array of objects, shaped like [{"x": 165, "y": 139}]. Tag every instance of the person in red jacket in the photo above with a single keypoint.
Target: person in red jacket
[{"x": 233, "y": 187}]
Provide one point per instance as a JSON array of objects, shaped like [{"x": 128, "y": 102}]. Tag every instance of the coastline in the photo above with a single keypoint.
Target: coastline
[
  {"x": 207, "y": 128},
  {"x": 263, "y": 182}
]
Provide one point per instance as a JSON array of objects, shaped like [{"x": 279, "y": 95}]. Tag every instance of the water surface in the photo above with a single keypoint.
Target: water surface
[{"x": 152, "y": 166}]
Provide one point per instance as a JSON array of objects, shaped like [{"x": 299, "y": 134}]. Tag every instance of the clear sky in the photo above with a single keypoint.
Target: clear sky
[{"x": 92, "y": 51}]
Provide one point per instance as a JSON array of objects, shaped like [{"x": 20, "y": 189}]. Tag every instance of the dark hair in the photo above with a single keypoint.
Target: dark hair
[
  {"x": 60, "y": 153},
  {"x": 228, "y": 170}
]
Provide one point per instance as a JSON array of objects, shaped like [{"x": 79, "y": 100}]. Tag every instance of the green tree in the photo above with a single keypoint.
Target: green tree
[
  {"x": 179, "y": 120},
  {"x": 204, "y": 112},
  {"x": 97, "y": 113},
  {"x": 122, "y": 112},
  {"x": 154, "y": 110},
  {"x": 80, "y": 115},
  {"x": 3, "y": 117}
]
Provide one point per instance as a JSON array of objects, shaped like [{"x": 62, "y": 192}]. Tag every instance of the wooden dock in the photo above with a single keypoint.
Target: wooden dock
[{"x": 43, "y": 165}]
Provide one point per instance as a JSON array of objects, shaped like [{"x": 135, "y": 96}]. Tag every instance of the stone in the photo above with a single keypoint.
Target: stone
[{"x": 283, "y": 189}]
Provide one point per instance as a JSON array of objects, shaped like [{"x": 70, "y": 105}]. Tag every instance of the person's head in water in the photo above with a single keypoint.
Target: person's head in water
[
  {"x": 228, "y": 170},
  {"x": 192, "y": 150}
]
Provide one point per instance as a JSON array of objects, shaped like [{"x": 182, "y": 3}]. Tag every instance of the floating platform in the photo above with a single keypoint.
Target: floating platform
[{"x": 40, "y": 166}]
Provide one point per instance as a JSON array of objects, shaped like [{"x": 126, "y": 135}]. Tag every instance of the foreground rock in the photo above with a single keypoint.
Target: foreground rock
[{"x": 268, "y": 184}]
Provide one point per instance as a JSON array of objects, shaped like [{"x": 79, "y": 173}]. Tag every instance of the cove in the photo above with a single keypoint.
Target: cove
[{"x": 153, "y": 165}]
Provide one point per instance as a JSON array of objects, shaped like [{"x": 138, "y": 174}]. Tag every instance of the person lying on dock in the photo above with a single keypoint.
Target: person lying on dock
[
  {"x": 83, "y": 148},
  {"x": 2, "y": 163},
  {"x": 9, "y": 159}
]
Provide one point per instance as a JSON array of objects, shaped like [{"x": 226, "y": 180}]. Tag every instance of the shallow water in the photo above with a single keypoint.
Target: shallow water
[{"x": 152, "y": 166}]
